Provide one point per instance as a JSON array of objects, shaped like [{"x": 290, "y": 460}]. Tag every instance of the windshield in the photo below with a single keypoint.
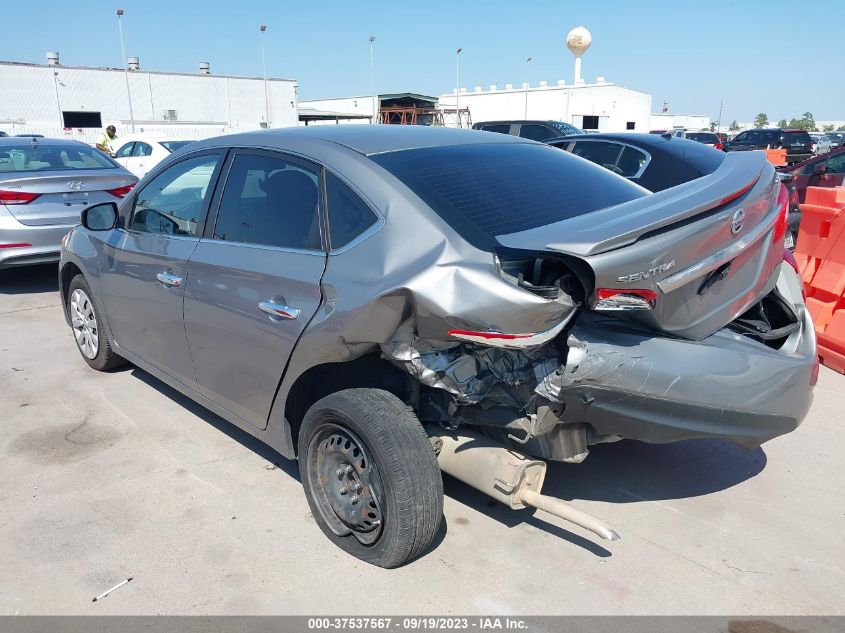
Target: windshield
[
  {"x": 45, "y": 157},
  {"x": 172, "y": 146},
  {"x": 485, "y": 190}
]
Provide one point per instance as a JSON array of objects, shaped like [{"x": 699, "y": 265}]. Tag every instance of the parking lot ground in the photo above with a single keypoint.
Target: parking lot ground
[{"x": 110, "y": 476}]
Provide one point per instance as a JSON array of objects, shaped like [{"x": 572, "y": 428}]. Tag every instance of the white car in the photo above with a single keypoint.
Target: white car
[
  {"x": 822, "y": 144},
  {"x": 139, "y": 153}
]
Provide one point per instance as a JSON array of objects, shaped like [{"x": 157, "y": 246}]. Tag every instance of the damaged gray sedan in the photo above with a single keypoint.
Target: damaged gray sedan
[{"x": 384, "y": 303}]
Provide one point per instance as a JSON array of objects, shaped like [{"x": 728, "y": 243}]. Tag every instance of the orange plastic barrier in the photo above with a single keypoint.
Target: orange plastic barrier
[
  {"x": 820, "y": 252},
  {"x": 776, "y": 157}
]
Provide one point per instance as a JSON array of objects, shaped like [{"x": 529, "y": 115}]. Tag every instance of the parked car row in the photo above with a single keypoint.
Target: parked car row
[{"x": 383, "y": 303}]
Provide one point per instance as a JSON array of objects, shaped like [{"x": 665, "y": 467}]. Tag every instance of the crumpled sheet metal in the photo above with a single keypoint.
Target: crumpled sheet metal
[{"x": 471, "y": 374}]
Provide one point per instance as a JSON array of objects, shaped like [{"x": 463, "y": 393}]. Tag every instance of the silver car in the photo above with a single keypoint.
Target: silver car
[
  {"x": 44, "y": 184},
  {"x": 386, "y": 303}
]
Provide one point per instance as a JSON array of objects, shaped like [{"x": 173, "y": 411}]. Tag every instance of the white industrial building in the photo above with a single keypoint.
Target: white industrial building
[
  {"x": 669, "y": 121},
  {"x": 78, "y": 102},
  {"x": 602, "y": 106}
]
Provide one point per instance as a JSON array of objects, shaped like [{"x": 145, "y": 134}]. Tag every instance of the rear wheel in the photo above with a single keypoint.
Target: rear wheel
[
  {"x": 85, "y": 320},
  {"x": 371, "y": 476}
]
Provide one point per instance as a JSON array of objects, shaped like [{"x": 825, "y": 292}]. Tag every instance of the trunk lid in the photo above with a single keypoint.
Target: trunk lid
[
  {"x": 62, "y": 196},
  {"x": 704, "y": 247}
]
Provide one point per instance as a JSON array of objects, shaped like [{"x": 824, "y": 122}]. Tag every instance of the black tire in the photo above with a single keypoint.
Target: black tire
[
  {"x": 105, "y": 358},
  {"x": 404, "y": 487}
]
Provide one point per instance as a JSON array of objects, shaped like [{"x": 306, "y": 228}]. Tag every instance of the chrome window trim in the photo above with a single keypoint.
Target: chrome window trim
[
  {"x": 601, "y": 140},
  {"x": 263, "y": 247}
]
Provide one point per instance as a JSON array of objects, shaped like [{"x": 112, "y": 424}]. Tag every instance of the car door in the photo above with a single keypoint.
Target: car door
[
  {"x": 141, "y": 160},
  {"x": 253, "y": 282},
  {"x": 741, "y": 142},
  {"x": 123, "y": 154},
  {"x": 145, "y": 265}
]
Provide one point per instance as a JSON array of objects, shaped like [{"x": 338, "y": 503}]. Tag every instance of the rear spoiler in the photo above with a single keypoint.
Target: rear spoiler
[{"x": 623, "y": 224}]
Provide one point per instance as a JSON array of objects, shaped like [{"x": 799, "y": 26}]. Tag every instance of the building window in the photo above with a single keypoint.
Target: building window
[
  {"x": 591, "y": 122},
  {"x": 82, "y": 119},
  {"x": 630, "y": 125}
]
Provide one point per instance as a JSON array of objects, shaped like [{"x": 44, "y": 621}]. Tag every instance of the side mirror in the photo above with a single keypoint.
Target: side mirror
[
  {"x": 100, "y": 217},
  {"x": 819, "y": 169}
]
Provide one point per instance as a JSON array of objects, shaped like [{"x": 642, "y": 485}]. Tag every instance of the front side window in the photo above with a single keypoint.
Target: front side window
[
  {"x": 174, "y": 202},
  {"x": 142, "y": 149},
  {"x": 349, "y": 216},
  {"x": 741, "y": 137},
  {"x": 270, "y": 201},
  {"x": 631, "y": 162},
  {"x": 125, "y": 151}
]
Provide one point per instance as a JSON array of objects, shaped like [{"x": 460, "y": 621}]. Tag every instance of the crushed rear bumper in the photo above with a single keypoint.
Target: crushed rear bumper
[{"x": 629, "y": 384}]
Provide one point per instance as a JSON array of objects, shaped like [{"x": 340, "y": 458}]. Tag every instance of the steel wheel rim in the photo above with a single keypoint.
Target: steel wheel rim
[
  {"x": 345, "y": 483},
  {"x": 84, "y": 323}
]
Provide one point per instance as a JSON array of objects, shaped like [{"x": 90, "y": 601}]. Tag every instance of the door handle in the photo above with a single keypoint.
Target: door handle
[
  {"x": 169, "y": 280},
  {"x": 278, "y": 310}
]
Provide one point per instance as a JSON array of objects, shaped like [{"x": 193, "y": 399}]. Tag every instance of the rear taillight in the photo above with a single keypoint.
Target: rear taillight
[
  {"x": 17, "y": 197},
  {"x": 624, "y": 299},
  {"x": 718, "y": 146},
  {"x": 782, "y": 220},
  {"x": 119, "y": 192}
]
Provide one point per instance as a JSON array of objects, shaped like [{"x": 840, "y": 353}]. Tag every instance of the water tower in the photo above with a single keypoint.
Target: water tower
[{"x": 578, "y": 40}]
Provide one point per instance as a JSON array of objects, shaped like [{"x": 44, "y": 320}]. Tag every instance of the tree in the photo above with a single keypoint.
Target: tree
[
  {"x": 713, "y": 126},
  {"x": 734, "y": 126},
  {"x": 808, "y": 122},
  {"x": 827, "y": 128},
  {"x": 797, "y": 124},
  {"x": 841, "y": 128},
  {"x": 782, "y": 123},
  {"x": 761, "y": 120}
]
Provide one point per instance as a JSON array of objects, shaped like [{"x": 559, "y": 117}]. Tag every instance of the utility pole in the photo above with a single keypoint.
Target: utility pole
[
  {"x": 373, "y": 81},
  {"x": 458, "y": 85},
  {"x": 525, "y": 114},
  {"x": 125, "y": 69},
  {"x": 719, "y": 122},
  {"x": 261, "y": 30}
]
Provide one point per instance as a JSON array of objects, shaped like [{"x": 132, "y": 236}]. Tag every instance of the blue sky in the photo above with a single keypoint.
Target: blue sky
[{"x": 772, "y": 56}]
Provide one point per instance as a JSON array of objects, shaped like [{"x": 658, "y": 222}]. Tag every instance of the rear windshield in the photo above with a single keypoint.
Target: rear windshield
[
  {"x": 703, "y": 137},
  {"x": 796, "y": 137},
  {"x": 45, "y": 157},
  {"x": 487, "y": 190},
  {"x": 172, "y": 146}
]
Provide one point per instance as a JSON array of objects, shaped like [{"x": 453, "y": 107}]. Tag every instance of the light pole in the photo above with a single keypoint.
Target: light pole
[
  {"x": 719, "y": 122},
  {"x": 373, "y": 81},
  {"x": 125, "y": 69},
  {"x": 525, "y": 114},
  {"x": 458, "y": 85},
  {"x": 261, "y": 30}
]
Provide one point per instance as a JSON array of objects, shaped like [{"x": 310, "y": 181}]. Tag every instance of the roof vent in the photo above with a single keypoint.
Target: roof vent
[
  {"x": 133, "y": 63},
  {"x": 52, "y": 58},
  {"x": 205, "y": 68}
]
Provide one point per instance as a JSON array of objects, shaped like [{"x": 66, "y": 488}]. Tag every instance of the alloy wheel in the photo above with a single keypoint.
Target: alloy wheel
[{"x": 84, "y": 322}]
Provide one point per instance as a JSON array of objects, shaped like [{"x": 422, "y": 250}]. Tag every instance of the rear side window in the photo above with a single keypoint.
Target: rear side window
[
  {"x": 631, "y": 162},
  {"x": 536, "y": 132},
  {"x": 703, "y": 137},
  {"x": 598, "y": 152},
  {"x": 501, "y": 129},
  {"x": 269, "y": 201},
  {"x": 349, "y": 216},
  {"x": 142, "y": 149},
  {"x": 485, "y": 190}
]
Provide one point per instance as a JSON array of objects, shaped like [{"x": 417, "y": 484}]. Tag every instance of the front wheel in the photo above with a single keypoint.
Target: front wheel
[
  {"x": 85, "y": 320},
  {"x": 371, "y": 476}
]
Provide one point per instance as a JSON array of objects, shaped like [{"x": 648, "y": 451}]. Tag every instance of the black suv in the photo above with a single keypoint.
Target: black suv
[
  {"x": 534, "y": 130},
  {"x": 797, "y": 143}
]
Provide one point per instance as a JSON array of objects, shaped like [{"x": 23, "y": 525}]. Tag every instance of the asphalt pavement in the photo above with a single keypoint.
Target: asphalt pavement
[{"x": 109, "y": 476}]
